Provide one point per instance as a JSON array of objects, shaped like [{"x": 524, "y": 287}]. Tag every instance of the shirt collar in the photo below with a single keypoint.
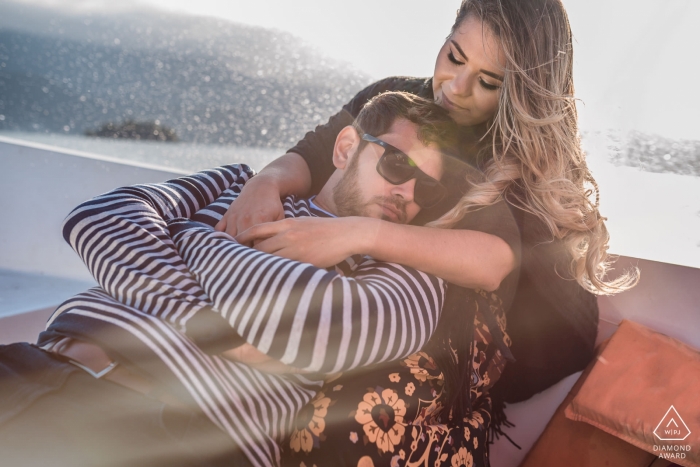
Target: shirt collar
[{"x": 320, "y": 212}]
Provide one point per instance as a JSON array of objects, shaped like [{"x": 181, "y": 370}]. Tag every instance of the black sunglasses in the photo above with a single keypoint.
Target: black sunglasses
[{"x": 397, "y": 168}]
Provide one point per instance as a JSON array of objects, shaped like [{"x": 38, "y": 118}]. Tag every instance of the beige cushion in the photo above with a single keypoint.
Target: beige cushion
[{"x": 632, "y": 386}]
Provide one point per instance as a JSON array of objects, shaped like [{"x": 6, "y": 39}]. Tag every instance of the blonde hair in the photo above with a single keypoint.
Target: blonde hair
[{"x": 538, "y": 164}]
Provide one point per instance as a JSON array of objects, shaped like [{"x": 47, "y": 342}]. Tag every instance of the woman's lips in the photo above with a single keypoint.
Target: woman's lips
[{"x": 449, "y": 105}]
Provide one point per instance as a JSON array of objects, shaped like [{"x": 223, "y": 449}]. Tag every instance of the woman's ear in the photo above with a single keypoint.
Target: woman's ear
[{"x": 346, "y": 144}]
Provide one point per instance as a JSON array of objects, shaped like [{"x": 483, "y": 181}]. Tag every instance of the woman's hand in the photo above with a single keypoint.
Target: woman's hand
[
  {"x": 319, "y": 241},
  {"x": 258, "y": 202}
]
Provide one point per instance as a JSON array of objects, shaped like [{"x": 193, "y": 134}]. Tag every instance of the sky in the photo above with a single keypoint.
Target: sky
[{"x": 635, "y": 60}]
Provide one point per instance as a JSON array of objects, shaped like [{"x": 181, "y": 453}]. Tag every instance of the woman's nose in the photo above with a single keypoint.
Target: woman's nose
[{"x": 461, "y": 84}]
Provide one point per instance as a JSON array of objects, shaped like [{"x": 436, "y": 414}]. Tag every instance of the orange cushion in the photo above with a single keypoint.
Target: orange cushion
[
  {"x": 631, "y": 388},
  {"x": 574, "y": 444}
]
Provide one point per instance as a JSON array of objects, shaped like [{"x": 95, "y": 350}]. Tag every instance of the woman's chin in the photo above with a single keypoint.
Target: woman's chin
[{"x": 464, "y": 118}]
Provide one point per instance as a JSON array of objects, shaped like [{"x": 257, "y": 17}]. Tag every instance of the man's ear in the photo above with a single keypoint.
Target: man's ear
[{"x": 346, "y": 144}]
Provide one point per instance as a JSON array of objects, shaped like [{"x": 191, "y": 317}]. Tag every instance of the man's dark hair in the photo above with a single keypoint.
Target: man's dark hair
[{"x": 434, "y": 123}]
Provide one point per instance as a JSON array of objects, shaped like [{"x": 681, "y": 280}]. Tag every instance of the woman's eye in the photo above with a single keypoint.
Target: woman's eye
[
  {"x": 452, "y": 58},
  {"x": 485, "y": 85}
]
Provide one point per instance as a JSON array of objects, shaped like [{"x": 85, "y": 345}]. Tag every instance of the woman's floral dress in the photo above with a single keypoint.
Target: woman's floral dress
[{"x": 392, "y": 414}]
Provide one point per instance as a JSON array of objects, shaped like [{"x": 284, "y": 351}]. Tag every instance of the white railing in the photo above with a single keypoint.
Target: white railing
[{"x": 39, "y": 186}]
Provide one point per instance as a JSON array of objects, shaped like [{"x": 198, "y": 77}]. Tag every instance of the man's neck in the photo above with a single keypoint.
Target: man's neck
[
  {"x": 324, "y": 199},
  {"x": 323, "y": 203}
]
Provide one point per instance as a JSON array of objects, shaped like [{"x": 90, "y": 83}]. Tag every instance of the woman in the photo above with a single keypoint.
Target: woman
[{"x": 505, "y": 75}]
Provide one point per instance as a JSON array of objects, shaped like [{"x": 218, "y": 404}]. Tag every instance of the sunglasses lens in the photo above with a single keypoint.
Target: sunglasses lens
[
  {"x": 428, "y": 192},
  {"x": 395, "y": 167}
]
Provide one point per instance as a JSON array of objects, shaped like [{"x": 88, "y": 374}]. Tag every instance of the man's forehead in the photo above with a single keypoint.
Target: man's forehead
[
  {"x": 404, "y": 128},
  {"x": 403, "y": 135}
]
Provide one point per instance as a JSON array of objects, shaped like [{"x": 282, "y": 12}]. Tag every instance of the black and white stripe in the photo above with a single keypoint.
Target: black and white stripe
[
  {"x": 360, "y": 313},
  {"x": 276, "y": 304}
]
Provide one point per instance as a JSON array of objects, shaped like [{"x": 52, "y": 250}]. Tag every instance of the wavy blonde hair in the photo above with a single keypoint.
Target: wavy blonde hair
[{"x": 538, "y": 164}]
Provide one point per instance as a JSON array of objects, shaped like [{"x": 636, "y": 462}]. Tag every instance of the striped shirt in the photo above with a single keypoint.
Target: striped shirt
[{"x": 358, "y": 313}]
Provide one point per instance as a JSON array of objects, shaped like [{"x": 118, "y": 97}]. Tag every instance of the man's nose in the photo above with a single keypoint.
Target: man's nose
[{"x": 405, "y": 190}]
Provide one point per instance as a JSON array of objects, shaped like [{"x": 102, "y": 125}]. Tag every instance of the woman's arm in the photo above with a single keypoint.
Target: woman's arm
[
  {"x": 291, "y": 174},
  {"x": 307, "y": 166},
  {"x": 259, "y": 201},
  {"x": 468, "y": 258}
]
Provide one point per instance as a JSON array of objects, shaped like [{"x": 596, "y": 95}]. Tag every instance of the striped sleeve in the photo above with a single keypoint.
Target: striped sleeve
[
  {"x": 307, "y": 317},
  {"x": 255, "y": 409},
  {"x": 122, "y": 238}
]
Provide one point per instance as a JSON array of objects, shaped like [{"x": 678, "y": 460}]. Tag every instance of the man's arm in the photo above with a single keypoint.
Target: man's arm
[
  {"x": 307, "y": 317},
  {"x": 122, "y": 238}
]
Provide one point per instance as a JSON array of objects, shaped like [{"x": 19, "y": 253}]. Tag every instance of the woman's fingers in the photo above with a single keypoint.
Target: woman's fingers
[
  {"x": 321, "y": 242},
  {"x": 258, "y": 202},
  {"x": 258, "y": 232},
  {"x": 221, "y": 225},
  {"x": 267, "y": 214},
  {"x": 282, "y": 245}
]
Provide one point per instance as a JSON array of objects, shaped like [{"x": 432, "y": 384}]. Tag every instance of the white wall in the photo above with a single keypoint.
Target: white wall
[{"x": 39, "y": 186}]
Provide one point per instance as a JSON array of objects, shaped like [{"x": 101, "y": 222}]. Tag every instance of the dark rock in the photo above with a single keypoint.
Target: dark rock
[{"x": 150, "y": 131}]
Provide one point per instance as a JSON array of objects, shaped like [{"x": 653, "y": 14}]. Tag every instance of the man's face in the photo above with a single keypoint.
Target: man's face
[{"x": 363, "y": 192}]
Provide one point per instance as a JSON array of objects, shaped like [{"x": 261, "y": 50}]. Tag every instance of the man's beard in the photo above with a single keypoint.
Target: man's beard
[{"x": 348, "y": 198}]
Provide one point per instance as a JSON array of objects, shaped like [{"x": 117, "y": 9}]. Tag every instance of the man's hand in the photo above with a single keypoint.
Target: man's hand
[
  {"x": 254, "y": 358},
  {"x": 318, "y": 241},
  {"x": 258, "y": 202}
]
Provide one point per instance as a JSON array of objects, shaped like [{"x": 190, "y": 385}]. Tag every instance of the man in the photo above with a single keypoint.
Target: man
[{"x": 135, "y": 371}]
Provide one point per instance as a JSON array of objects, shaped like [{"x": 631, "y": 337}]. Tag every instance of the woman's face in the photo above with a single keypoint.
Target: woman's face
[{"x": 469, "y": 73}]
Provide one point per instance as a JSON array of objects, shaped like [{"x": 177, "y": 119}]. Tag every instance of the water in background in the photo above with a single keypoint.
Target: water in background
[
  {"x": 647, "y": 152},
  {"x": 650, "y": 215},
  {"x": 652, "y": 153},
  {"x": 182, "y": 155}
]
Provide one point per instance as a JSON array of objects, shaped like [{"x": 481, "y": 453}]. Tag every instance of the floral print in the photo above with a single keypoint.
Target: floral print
[
  {"x": 310, "y": 423},
  {"x": 463, "y": 458},
  {"x": 381, "y": 417},
  {"x": 423, "y": 367},
  {"x": 394, "y": 414}
]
